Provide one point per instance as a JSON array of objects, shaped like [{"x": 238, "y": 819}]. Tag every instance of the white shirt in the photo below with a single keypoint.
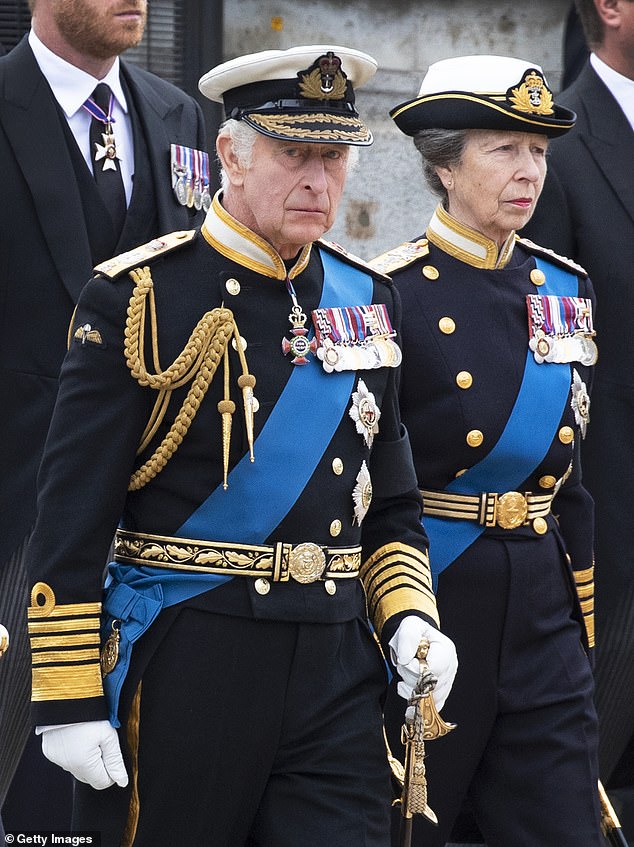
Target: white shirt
[
  {"x": 71, "y": 88},
  {"x": 620, "y": 87}
]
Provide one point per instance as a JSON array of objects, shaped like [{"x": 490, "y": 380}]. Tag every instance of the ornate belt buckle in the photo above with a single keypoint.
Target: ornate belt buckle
[
  {"x": 306, "y": 562},
  {"x": 512, "y": 510}
]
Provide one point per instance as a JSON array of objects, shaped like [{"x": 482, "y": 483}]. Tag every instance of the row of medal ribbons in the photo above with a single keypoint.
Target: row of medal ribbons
[
  {"x": 561, "y": 329},
  {"x": 355, "y": 338},
  {"x": 190, "y": 176}
]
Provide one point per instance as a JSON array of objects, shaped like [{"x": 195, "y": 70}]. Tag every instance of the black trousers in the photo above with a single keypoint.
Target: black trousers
[
  {"x": 524, "y": 755},
  {"x": 259, "y": 733},
  {"x": 15, "y": 667}
]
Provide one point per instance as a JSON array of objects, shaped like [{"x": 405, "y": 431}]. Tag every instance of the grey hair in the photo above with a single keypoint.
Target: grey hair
[
  {"x": 243, "y": 137},
  {"x": 439, "y": 148}
]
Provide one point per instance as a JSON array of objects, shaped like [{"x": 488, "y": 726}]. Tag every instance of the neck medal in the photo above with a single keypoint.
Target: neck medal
[
  {"x": 108, "y": 150},
  {"x": 298, "y": 344}
]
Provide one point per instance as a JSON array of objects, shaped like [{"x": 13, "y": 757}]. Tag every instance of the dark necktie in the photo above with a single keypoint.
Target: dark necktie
[{"x": 104, "y": 156}]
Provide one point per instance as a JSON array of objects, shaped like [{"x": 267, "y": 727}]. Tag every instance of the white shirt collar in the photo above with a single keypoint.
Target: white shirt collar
[
  {"x": 70, "y": 85},
  {"x": 619, "y": 86}
]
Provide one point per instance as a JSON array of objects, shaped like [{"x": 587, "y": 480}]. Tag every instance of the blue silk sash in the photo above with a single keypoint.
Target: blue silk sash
[{"x": 526, "y": 439}]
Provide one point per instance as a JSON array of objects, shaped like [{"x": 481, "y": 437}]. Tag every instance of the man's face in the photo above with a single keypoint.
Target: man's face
[
  {"x": 100, "y": 28},
  {"x": 291, "y": 191}
]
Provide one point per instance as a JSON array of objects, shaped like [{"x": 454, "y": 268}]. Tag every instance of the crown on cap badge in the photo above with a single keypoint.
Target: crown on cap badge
[
  {"x": 324, "y": 80},
  {"x": 532, "y": 95}
]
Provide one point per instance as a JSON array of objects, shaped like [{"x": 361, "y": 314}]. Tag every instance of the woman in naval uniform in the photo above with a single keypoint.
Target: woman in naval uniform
[{"x": 497, "y": 362}]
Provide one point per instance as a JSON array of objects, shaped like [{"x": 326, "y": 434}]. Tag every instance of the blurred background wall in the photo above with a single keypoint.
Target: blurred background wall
[{"x": 386, "y": 201}]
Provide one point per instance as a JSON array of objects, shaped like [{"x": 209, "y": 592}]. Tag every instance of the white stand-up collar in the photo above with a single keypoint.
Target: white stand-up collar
[
  {"x": 240, "y": 244},
  {"x": 467, "y": 244}
]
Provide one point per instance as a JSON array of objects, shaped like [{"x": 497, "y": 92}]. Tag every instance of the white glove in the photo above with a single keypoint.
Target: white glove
[
  {"x": 90, "y": 751},
  {"x": 441, "y": 658}
]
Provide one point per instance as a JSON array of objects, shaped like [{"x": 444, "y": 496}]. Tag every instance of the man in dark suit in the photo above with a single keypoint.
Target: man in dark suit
[
  {"x": 586, "y": 211},
  {"x": 55, "y": 225}
]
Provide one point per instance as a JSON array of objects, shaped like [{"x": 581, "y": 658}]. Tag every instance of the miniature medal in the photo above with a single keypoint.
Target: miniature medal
[
  {"x": 198, "y": 196},
  {"x": 180, "y": 189}
]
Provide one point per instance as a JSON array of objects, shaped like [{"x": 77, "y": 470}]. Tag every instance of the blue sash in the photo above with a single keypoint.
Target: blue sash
[
  {"x": 260, "y": 493},
  {"x": 291, "y": 443},
  {"x": 514, "y": 457}
]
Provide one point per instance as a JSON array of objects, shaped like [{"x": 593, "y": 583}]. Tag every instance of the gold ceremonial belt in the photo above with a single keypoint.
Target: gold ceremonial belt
[
  {"x": 306, "y": 562},
  {"x": 508, "y": 510}
]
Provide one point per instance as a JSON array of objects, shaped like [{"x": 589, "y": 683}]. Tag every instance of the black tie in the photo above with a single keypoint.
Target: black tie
[{"x": 105, "y": 164}]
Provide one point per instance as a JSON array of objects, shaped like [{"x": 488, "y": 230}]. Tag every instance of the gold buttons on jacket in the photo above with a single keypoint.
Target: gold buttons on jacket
[
  {"x": 537, "y": 277},
  {"x": 337, "y": 466},
  {"x": 4, "y": 640},
  {"x": 540, "y": 526},
  {"x": 335, "y": 528},
  {"x": 566, "y": 434},
  {"x": 447, "y": 325},
  {"x": 243, "y": 343},
  {"x": 464, "y": 379},
  {"x": 430, "y": 272},
  {"x": 233, "y": 286},
  {"x": 330, "y": 586},
  {"x": 547, "y": 481},
  {"x": 475, "y": 438},
  {"x": 262, "y": 586}
]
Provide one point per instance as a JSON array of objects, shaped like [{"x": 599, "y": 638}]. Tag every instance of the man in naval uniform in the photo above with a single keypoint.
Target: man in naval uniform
[
  {"x": 228, "y": 401},
  {"x": 59, "y": 195}
]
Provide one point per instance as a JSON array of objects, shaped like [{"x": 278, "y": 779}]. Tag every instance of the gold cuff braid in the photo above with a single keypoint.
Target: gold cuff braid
[
  {"x": 64, "y": 647},
  {"x": 397, "y": 579},
  {"x": 584, "y": 582}
]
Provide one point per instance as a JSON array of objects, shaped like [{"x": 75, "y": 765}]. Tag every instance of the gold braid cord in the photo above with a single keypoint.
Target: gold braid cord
[{"x": 196, "y": 364}]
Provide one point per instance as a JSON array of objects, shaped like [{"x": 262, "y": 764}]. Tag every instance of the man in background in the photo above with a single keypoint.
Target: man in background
[
  {"x": 85, "y": 173},
  {"x": 586, "y": 212}
]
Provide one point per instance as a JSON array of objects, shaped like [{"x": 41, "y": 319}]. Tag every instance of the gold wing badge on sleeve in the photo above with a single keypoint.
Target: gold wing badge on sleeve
[{"x": 87, "y": 334}]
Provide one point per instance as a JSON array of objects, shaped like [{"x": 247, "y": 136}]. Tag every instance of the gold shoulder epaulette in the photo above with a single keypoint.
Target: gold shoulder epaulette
[
  {"x": 547, "y": 253},
  {"x": 333, "y": 247},
  {"x": 400, "y": 256},
  {"x": 143, "y": 254}
]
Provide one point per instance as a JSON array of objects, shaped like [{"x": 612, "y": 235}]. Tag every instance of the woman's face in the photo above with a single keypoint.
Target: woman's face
[{"x": 495, "y": 186}]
